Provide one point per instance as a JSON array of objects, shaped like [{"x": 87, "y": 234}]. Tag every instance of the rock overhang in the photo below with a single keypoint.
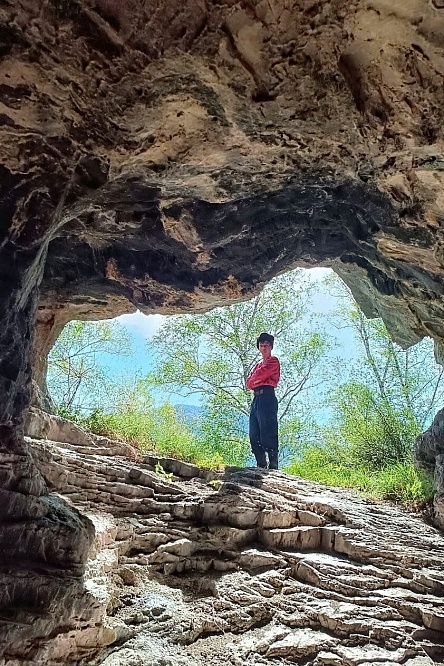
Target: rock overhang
[
  {"x": 177, "y": 158},
  {"x": 312, "y": 219},
  {"x": 160, "y": 246}
]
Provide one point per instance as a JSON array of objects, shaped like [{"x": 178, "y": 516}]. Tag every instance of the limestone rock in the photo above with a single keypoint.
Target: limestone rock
[
  {"x": 41, "y": 425},
  {"x": 188, "y": 575},
  {"x": 429, "y": 454}
]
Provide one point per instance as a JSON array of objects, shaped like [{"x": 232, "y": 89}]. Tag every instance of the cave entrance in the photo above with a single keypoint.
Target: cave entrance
[
  {"x": 172, "y": 255},
  {"x": 168, "y": 250},
  {"x": 347, "y": 390}
]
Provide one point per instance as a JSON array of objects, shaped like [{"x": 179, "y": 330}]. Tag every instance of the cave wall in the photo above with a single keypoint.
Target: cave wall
[
  {"x": 176, "y": 158},
  {"x": 146, "y": 125}
]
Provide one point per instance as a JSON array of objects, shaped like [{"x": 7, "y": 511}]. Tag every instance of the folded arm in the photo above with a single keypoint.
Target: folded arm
[{"x": 266, "y": 372}]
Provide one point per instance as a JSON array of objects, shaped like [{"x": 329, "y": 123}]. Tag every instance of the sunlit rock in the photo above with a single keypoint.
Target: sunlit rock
[{"x": 170, "y": 580}]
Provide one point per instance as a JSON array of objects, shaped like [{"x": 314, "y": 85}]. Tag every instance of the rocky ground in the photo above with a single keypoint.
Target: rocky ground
[{"x": 192, "y": 567}]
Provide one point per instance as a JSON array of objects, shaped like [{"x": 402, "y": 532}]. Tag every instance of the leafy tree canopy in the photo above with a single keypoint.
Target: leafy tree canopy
[
  {"x": 212, "y": 354},
  {"x": 78, "y": 377}
]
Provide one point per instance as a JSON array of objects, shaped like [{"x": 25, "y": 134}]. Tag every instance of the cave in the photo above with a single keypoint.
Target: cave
[{"x": 172, "y": 159}]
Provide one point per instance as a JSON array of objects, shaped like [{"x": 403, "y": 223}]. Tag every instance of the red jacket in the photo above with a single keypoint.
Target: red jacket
[{"x": 265, "y": 373}]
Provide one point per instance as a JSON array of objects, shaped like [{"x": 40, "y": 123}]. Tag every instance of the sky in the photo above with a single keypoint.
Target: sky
[
  {"x": 142, "y": 328},
  {"x": 342, "y": 357}
]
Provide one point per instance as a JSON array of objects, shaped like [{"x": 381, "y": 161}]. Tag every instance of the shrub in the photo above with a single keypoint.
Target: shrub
[
  {"x": 398, "y": 481},
  {"x": 374, "y": 432},
  {"x": 150, "y": 428}
]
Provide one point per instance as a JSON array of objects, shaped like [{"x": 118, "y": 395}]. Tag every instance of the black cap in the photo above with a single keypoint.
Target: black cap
[{"x": 265, "y": 337}]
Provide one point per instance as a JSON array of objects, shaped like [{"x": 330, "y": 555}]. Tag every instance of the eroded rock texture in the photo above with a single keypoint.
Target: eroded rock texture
[
  {"x": 174, "y": 156},
  {"x": 429, "y": 454},
  {"x": 244, "y": 567}
]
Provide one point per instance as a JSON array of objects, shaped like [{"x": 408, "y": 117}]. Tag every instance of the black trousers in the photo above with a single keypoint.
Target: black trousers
[{"x": 263, "y": 421}]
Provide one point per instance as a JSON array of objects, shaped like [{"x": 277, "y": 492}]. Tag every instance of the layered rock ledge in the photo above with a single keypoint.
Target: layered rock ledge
[{"x": 191, "y": 567}]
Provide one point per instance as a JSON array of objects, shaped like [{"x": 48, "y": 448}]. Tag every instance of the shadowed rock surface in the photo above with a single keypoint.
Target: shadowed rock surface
[
  {"x": 175, "y": 156},
  {"x": 193, "y": 567},
  {"x": 429, "y": 454}
]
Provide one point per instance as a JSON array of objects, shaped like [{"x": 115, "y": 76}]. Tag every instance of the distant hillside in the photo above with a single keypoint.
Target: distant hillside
[
  {"x": 188, "y": 412},
  {"x": 190, "y": 416}
]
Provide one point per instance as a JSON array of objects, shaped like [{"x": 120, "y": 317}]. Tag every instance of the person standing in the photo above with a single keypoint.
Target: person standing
[{"x": 263, "y": 426}]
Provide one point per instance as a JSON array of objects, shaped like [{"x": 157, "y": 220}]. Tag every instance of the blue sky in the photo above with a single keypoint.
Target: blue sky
[
  {"x": 142, "y": 327},
  {"x": 337, "y": 362}
]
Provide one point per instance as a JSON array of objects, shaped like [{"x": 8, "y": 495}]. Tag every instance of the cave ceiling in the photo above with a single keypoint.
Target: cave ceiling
[{"x": 175, "y": 158}]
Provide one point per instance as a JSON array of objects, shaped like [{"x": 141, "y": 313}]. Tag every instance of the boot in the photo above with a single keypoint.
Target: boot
[
  {"x": 261, "y": 459},
  {"x": 273, "y": 457}
]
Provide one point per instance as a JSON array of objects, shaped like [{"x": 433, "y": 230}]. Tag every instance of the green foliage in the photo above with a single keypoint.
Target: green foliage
[
  {"x": 165, "y": 476},
  {"x": 403, "y": 482},
  {"x": 384, "y": 402},
  {"x": 222, "y": 429},
  {"x": 137, "y": 420},
  {"x": 398, "y": 481},
  {"x": 373, "y": 431},
  {"x": 212, "y": 354},
  {"x": 295, "y": 433},
  {"x": 85, "y": 391},
  {"x": 408, "y": 381},
  {"x": 378, "y": 404},
  {"x": 77, "y": 377},
  {"x": 173, "y": 438}
]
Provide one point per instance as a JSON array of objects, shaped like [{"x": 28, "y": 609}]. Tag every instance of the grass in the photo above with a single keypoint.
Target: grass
[
  {"x": 400, "y": 482},
  {"x": 155, "y": 430},
  {"x": 160, "y": 431}
]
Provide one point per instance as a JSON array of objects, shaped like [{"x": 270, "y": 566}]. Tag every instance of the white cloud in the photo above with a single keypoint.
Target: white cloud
[
  {"x": 144, "y": 325},
  {"x": 318, "y": 273}
]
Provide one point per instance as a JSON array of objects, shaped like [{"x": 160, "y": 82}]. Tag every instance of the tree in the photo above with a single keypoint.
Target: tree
[
  {"x": 223, "y": 431},
  {"x": 136, "y": 418},
  {"x": 386, "y": 396},
  {"x": 390, "y": 393},
  {"x": 78, "y": 378},
  {"x": 212, "y": 354}
]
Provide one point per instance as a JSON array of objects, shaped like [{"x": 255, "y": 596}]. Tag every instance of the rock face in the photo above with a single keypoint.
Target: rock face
[
  {"x": 179, "y": 159},
  {"x": 174, "y": 156},
  {"x": 429, "y": 454},
  {"x": 190, "y": 567}
]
